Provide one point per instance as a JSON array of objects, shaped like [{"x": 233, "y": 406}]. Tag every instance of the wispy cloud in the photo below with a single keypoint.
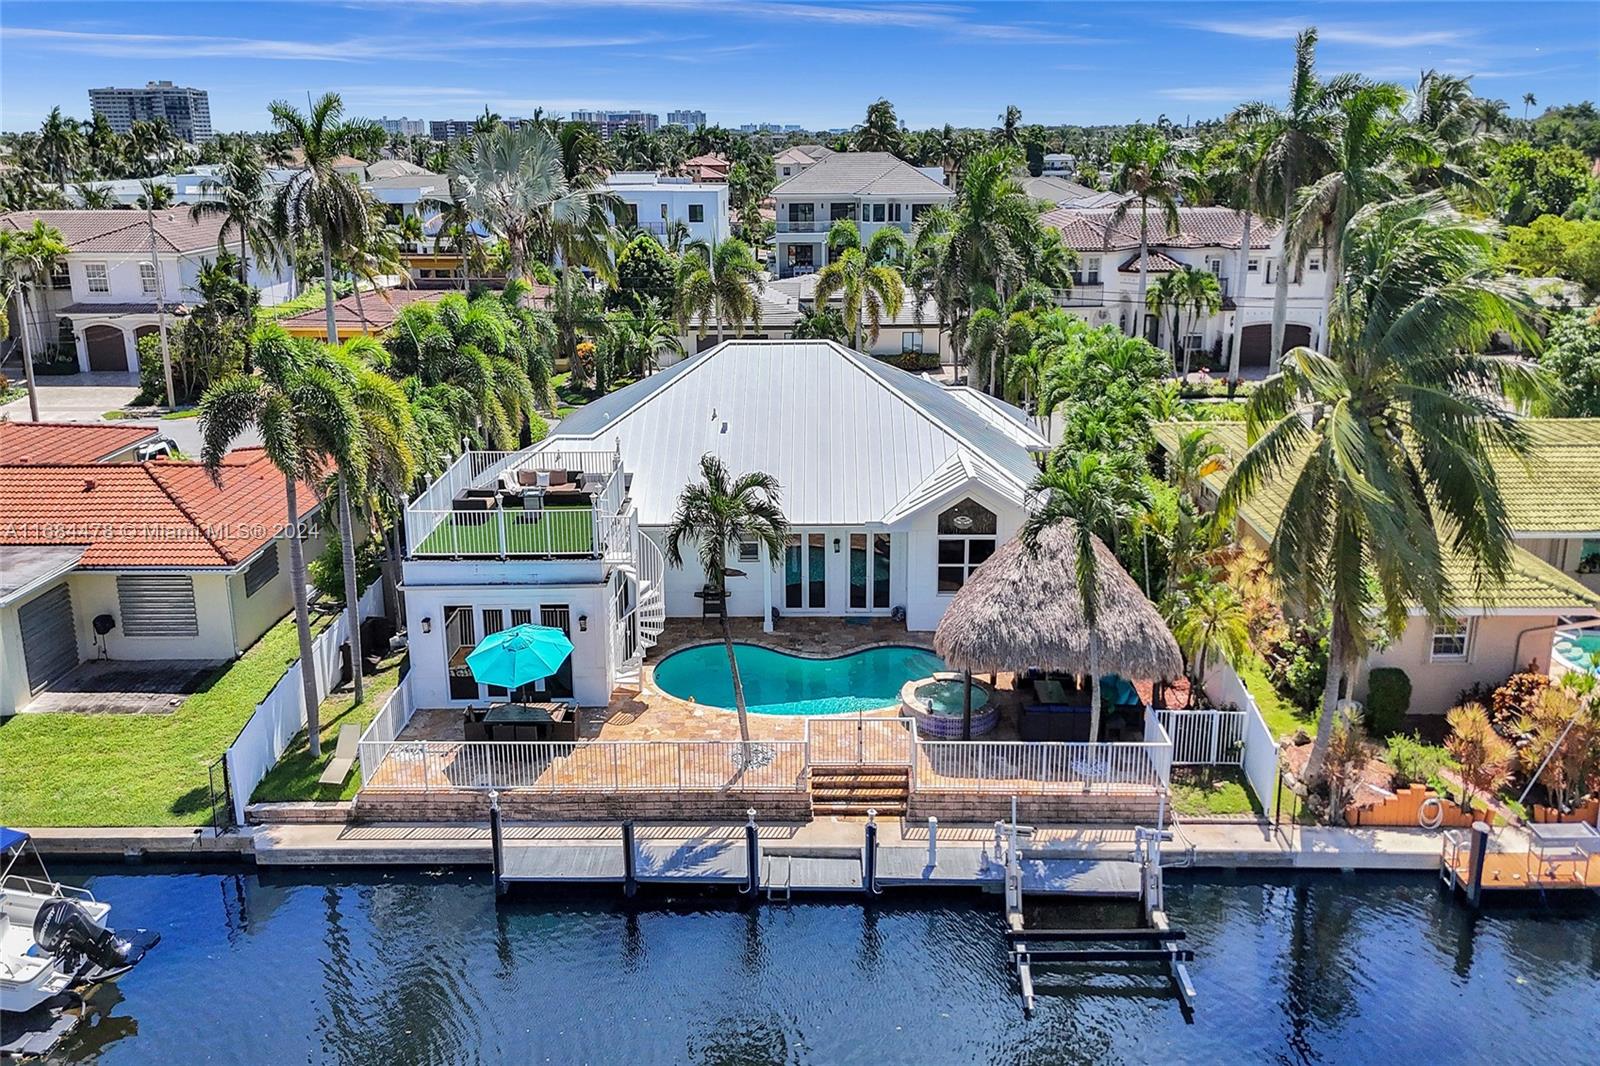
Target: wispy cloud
[
  {"x": 1374, "y": 35},
  {"x": 1224, "y": 94}
]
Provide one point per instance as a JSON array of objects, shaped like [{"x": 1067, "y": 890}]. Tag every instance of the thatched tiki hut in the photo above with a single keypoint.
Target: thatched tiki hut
[{"x": 1022, "y": 609}]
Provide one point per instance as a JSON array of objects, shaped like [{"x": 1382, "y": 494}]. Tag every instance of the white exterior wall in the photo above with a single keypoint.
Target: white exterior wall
[
  {"x": 254, "y": 615},
  {"x": 925, "y": 604},
  {"x": 1500, "y": 645},
  {"x": 13, "y": 676},
  {"x": 658, "y": 202},
  {"x": 1563, "y": 553},
  {"x": 94, "y": 593}
]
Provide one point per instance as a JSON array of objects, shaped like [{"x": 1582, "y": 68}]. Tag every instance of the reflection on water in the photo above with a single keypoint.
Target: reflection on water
[{"x": 399, "y": 968}]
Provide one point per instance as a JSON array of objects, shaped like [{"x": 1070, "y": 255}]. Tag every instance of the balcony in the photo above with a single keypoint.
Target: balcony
[
  {"x": 810, "y": 225},
  {"x": 481, "y": 508},
  {"x": 1081, "y": 295}
]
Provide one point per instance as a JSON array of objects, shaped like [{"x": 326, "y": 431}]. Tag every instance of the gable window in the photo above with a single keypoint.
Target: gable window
[
  {"x": 967, "y": 534},
  {"x": 60, "y": 276},
  {"x": 1252, "y": 266},
  {"x": 95, "y": 274},
  {"x": 1087, "y": 272},
  {"x": 147, "y": 277},
  {"x": 697, "y": 212},
  {"x": 259, "y": 573},
  {"x": 1452, "y": 640}
]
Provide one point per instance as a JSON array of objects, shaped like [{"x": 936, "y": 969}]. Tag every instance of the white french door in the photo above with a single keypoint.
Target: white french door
[
  {"x": 870, "y": 560},
  {"x": 805, "y": 571}
]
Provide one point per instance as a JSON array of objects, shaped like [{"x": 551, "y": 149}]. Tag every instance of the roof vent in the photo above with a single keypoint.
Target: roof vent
[{"x": 88, "y": 484}]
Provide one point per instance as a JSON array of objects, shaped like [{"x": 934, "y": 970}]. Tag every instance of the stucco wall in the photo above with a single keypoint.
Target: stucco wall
[
  {"x": 95, "y": 593},
  {"x": 925, "y": 604},
  {"x": 254, "y": 615},
  {"x": 13, "y": 677},
  {"x": 1500, "y": 645}
]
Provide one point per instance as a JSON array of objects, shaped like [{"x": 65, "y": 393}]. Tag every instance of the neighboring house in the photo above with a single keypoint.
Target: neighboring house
[
  {"x": 33, "y": 443},
  {"x": 1106, "y": 283},
  {"x": 377, "y": 311},
  {"x": 1057, "y": 164},
  {"x": 183, "y": 567},
  {"x": 1058, "y": 190},
  {"x": 1554, "y": 504},
  {"x": 874, "y": 189},
  {"x": 707, "y": 168},
  {"x": 895, "y": 489},
  {"x": 798, "y": 158},
  {"x": 652, "y": 201},
  {"x": 102, "y": 298}
]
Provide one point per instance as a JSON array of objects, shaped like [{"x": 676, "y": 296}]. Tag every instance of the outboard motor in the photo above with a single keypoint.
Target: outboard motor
[{"x": 64, "y": 929}]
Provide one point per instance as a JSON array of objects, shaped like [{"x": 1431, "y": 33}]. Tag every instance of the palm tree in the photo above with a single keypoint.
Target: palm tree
[
  {"x": 157, "y": 196},
  {"x": 1146, "y": 167},
  {"x": 59, "y": 145},
  {"x": 1209, "y": 619},
  {"x": 868, "y": 279},
  {"x": 1094, "y": 494},
  {"x": 242, "y": 201},
  {"x": 721, "y": 285},
  {"x": 1010, "y": 122},
  {"x": 1167, "y": 294},
  {"x": 1528, "y": 100},
  {"x": 1200, "y": 296},
  {"x": 1389, "y": 441},
  {"x": 714, "y": 515},
  {"x": 1233, "y": 181},
  {"x": 305, "y": 417},
  {"x": 881, "y": 131},
  {"x": 573, "y": 309},
  {"x": 318, "y": 200},
  {"x": 1297, "y": 144},
  {"x": 26, "y": 258}
]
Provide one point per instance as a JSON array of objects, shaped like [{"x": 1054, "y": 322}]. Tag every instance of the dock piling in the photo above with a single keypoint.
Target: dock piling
[
  {"x": 1475, "y": 862},
  {"x": 496, "y": 846},
  {"x": 752, "y": 845},
  {"x": 869, "y": 854},
  {"x": 630, "y": 879},
  {"x": 933, "y": 842}
]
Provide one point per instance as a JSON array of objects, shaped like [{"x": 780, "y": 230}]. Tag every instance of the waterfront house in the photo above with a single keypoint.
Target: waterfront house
[
  {"x": 1106, "y": 282},
  {"x": 138, "y": 562},
  {"x": 102, "y": 297},
  {"x": 1554, "y": 504},
  {"x": 874, "y": 189},
  {"x": 896, "y": 489}
]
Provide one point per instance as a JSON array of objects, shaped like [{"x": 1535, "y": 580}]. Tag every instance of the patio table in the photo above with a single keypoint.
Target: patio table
[{"x": 525, "y": 721}]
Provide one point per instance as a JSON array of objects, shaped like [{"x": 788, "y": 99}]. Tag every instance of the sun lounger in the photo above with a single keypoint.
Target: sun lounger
[{"x": 344, "y": 757}]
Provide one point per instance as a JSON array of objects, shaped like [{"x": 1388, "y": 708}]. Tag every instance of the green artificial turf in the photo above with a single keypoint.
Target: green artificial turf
[{"x": 549, "y": 531}]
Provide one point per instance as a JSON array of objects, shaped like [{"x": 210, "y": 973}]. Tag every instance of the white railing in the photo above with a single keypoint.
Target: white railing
[
  {"x": 1259, "y": 757},
  {"x": 282, "y": 714},
  {"x": 468, "y": 471},
  {"x": 1205, "y": 737},
  {"x": 598, "y": 766},
  {"x": 809, "y": 225},
  {"x": 507, "y": 531},
  {"x": 857, "y": 740},
  {"x": 391, "y": 719},
  {"x": 1030, "y": 767}
]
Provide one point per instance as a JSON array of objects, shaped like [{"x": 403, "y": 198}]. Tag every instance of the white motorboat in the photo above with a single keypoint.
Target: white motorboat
[{"x": 53, "y": 937}]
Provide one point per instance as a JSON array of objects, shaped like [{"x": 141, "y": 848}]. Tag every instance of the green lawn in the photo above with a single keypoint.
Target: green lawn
[
  {"x": 1282, "y": 717},
  {"x": 1199, "y": 792},
  {"x": 295, "y": 775},
  {"x": 135, "y": 769},
  {"x": 548, "y": 531}
]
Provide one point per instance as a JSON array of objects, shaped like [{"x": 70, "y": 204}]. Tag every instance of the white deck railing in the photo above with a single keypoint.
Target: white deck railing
[
  {"x": 1205, "y": 737},
  {"x": 1025, "y": 767},
  {"x": 856, "y": 740},
  {"x": 599, "y": 766},
  {"x": 391, "y": 718}
]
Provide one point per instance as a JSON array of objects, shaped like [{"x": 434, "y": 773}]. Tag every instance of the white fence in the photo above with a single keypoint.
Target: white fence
[
  {"x": 1258, "y": 755},
  {"x": 1024, "y": 767},
  {"x": 856, "y": 740},
  {"x": 1205, "y": 738},
  {"x": 391, "y": 718},
  {"x": 282, "y": 714},
  {"x": 601, "y": 766}
]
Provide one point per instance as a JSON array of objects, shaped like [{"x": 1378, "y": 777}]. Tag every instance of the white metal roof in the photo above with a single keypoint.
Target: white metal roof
[{"x": 850, "y": 440}]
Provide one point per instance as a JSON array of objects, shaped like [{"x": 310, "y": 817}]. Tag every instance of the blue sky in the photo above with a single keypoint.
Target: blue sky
[{"x": 818, "y": 64}]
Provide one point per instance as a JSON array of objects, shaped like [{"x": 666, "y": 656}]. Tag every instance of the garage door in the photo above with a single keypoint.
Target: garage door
[
  {"x": 49, "y": 639},
  {"x": 107, "y": 349},
  {"x": 1255, "y": 348}
]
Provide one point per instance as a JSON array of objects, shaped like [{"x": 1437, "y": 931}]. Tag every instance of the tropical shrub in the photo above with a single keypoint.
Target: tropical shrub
[
  {"x": 1528, "y": 182},
  {"x": 1297, "y": 664},
  {"x": 1347, "y": 757},
  {"x": 1574, "y": 767},
  {"x": 1484, "y": 756},
  {"x": 1414, "y": 763},
  {"x": 645, "y": 271},
  {"x": 1388, "y": 700},
  {"x": 1556, "y": 247},
  {"x": 1571, "y": 359},
  {"x": 1515, "y": 700},
  {"x": 327, "y": 569}
]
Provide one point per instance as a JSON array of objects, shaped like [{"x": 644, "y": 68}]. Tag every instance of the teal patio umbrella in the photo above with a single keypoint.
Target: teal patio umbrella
[{"x": 519, "y": 656}]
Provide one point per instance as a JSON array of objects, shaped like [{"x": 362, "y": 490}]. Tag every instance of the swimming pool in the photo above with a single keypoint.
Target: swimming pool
[
  {"x": 778, "y": 683},
  {"x": 1579, "y": 649}
]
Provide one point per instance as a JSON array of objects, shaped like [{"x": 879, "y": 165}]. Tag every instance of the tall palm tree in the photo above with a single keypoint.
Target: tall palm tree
[
  {"x": 27, "y": 257},
  {"x": 240, "y": 198},
  {"x": 1094, "y": 494},
  {"x": 1389, "y": 441},
  {"x": 881, "y": 131},
  {"x": 319, "y": 201},
  {"x": 714, "y": 516},
  {"x": 721, "y": 285},
  {"x": 1200, "y": 296},
  {"x": 1298, "y": 148},
  {"x": 157, "y": 196},
  {"x": 1146, "y": 168},
  {"x": 867, "y": 278},
  {"x": 1528, "y": 100},
  {"x": 59, "y": 146},
  {"x": 1233, "y": 181},
  {"x": 1167, "y": 295},
  {"x": 1009, "y": 133},
  {"x": 306, "y": 418}
]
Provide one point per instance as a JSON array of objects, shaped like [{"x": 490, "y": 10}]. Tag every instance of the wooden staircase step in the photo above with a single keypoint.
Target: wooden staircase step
[
  {"x": 862, "y": 795},
  {"x": 885, "y": 809}
]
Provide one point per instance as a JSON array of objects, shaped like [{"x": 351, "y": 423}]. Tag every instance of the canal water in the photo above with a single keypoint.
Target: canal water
[{"x": 405, "y": 967}]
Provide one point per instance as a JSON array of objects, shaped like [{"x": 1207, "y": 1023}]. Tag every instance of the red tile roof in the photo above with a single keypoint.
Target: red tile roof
[
  {"x": 1159, "y": 263},
  {"x": 1198, "y": 227},
  {"x": 124, "y": 230},
  {"x": 381, "y": 309},
  {"x": 156, "y": 514},
  {"x": 66, "y": 442}
]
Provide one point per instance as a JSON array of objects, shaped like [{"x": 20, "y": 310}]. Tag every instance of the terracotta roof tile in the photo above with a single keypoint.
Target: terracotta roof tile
[
  {"x": 161, "y": 514},
  {"x": 66, "y": 442},
  {"x": 114, "y": 231},
  {"x": 1198, "y": 227},
  {"x": 1158, "y": 263},
  {"x": 381, "y": 309}
]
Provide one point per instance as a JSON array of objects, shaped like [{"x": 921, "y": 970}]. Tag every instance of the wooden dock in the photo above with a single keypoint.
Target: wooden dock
[{"x": 1563, "y": 857}]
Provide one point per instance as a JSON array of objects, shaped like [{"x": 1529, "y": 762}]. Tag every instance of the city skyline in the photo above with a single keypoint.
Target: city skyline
[{"x": 1059, "y": 65}]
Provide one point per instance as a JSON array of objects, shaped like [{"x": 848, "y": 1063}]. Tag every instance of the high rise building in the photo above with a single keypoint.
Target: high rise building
[
  {"x": 186, "y": 111},
  {"x": 610, "y": 123},
  {"x": 457, "y": 129},
  {"x": 406, "y": 127},
  {"x": 693, "y": 119}
]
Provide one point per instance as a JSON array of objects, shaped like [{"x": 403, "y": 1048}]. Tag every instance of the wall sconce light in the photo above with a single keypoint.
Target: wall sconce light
[
  {"x": 427, "y": 625},
  {"x": 583, "y": 623},
  {"x": 836, "y": 545}
]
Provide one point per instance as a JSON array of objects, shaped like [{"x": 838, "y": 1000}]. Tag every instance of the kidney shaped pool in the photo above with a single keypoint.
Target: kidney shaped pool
[{"x": 778, "y": 683}]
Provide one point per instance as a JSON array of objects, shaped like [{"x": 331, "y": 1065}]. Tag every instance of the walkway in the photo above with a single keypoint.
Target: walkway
[{"x": 88, "y": 397}]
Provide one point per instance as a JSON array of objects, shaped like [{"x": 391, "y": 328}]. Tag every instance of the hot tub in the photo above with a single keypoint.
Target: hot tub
[{"x": 938, "y": 705}]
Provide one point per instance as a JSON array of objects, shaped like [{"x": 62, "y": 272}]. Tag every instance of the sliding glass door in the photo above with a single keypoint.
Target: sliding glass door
[
  {"x": 805, "y": 572},
  {"x": 870, "y": 555}
]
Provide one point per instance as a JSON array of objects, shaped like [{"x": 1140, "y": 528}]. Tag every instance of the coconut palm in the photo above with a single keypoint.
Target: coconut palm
[
  {"x": 881, "y": 131},
  {"x": 714, "y": 516},
  {"x": 1146, "y": 168},
  {"x": 1094, "y": 495},
  {"x": 306, "y": 419},
  {"x": 1209, "y": 620},
  {"x": 1389, "y": 440},
  {"x": 867, "y": 278},
  {"x": 1297, "y": 148},
  {"x": 59, "y": 146},
  {"x": 1233, "y": 183},
  {"x": 27, "y": 257},
  {"x": 157, "y": 196},
  {"x": 240, "y": 198},
  {"x": 1528, "y": 100},
  {"x": 720, "y": 285},
  {"x": 1200, "y": 296}
]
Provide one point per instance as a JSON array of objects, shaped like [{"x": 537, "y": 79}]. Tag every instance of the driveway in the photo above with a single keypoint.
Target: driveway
[{"x": 87, "y": 398}]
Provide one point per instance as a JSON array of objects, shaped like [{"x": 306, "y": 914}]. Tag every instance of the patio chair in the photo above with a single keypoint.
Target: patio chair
[{"x": 344, "y": 756}]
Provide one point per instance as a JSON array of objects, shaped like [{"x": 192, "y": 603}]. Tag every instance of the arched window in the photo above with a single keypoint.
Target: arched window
[{"x": 966, "y": 538}]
